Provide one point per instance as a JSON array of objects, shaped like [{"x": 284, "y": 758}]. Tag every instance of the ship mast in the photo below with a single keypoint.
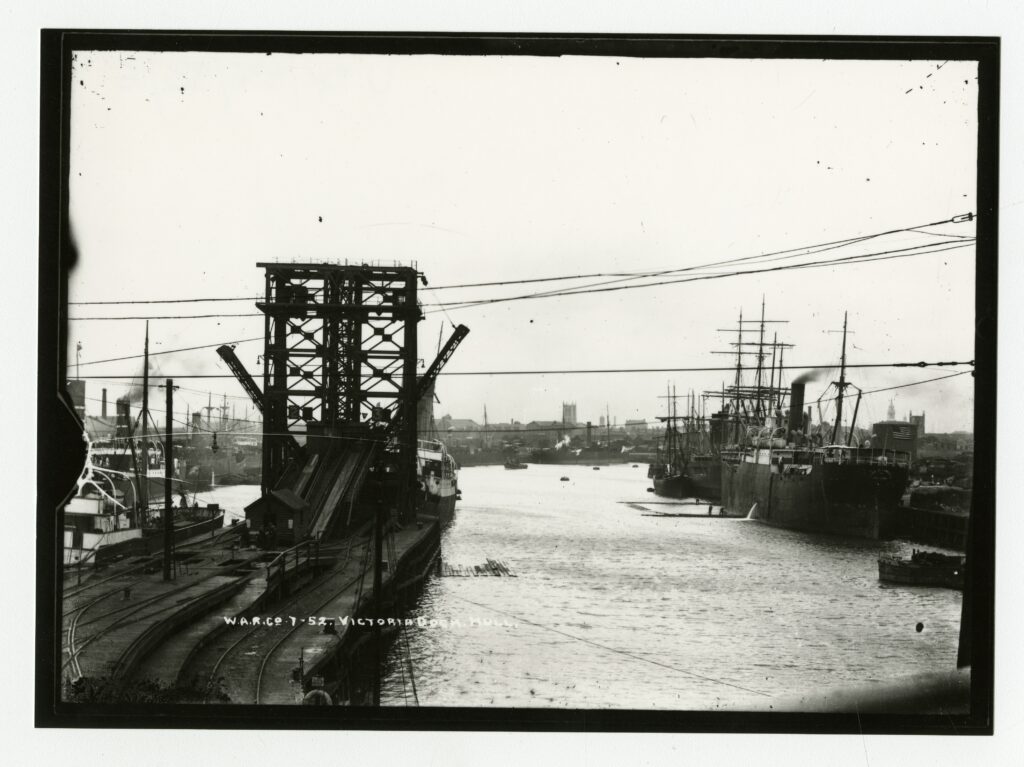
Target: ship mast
[
  {"x": 739, "y": 370},
  {"x": 758, "y": 405},
  {"x": 144, "y": 481},
  {"x": 841, "y": 385}
]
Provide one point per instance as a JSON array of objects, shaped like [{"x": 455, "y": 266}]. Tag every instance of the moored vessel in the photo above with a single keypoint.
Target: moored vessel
[
  {"x": 803, "y": 480},
  {"x": 439, "y": 479},
  {"x": 923, "y": 568}
]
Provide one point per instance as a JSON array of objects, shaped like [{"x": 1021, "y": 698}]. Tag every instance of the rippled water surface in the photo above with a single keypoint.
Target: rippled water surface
[{"x": 612, "y": 608}]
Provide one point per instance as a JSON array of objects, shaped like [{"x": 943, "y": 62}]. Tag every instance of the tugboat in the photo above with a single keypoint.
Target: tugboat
[
  {"x": 923, "y": 568},
  {"x": 511, "y": 464}
]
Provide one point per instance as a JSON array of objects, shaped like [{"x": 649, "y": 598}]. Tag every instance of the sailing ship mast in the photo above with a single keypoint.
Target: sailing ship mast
[{"x": 144, "y": 479}]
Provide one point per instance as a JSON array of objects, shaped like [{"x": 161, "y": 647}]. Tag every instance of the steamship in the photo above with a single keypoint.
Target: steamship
[
  {"x": 786, "y": 476},
  {"x": 439, "y": 480}
]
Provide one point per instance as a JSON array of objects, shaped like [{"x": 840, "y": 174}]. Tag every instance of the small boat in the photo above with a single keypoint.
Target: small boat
[
  {"x": 923, "y": 568},
  {"x": 597, "y": 468},
  {"x": 564, "y": 479},
  {"x": 635, "y": 465},
  {"x": 515, "y": 465}
]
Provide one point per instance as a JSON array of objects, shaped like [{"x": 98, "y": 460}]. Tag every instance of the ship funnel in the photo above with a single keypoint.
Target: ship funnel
[{"x": 796, "y": 408}]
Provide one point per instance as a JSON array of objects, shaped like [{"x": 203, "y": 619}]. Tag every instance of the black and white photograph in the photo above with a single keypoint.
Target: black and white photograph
[{"x": 467, "y": 380}]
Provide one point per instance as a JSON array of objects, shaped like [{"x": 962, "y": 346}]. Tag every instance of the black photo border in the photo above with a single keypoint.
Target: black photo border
[{"x": 61, "y": 452}]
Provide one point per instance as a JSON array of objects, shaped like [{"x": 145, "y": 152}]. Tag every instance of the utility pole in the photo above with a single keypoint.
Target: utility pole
[
  {"x": 144, "y": 484},
  {"x": 168, "y": 473}
]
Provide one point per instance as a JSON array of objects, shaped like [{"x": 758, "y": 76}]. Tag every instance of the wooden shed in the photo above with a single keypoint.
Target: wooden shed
[{"x": 280, "y": 517}]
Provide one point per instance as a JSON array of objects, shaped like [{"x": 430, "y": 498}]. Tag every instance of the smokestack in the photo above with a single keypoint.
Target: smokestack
[
  {"x": 796, "y": 408},
  {"x": 103, "y": 411},
  {"x": 123, "y": 424}
]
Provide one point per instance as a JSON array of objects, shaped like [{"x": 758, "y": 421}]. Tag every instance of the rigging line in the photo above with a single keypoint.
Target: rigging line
[
  {"x": 904, "y": 386},
  {"x": 848, "y": 260},
  {"x": 438, "y": 298},
  {"x": 613, "y": 649}
]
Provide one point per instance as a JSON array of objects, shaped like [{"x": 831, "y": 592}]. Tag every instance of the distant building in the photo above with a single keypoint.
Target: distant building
[
  {"x": 919, "y": 420},
  {"x": 635, "y": 428},
  {"x": 569, "y": 413},
  {"x": 544, "y": 433}
]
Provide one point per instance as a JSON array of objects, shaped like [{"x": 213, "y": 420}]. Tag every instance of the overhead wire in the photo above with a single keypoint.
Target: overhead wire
[
  {"x": 808, "y": 248},
  {"x": 921, "y": 250},
  {"x": 602, "y": 287},
  {"x": 554, "y": 426},
  {"x": 113, "y": 378}
]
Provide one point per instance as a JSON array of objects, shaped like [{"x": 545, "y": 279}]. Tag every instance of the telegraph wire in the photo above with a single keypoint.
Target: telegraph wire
[
  {"x": 809, "y": 249},
  {"x": 173, "y": 351},
  {"x": 555, "y": 426},
  {"x": 922, "y": 250},
  {"x": 718, "y": 369},
  {"x": 780, "y": 255},
  {"x": 919, "y": 250}
]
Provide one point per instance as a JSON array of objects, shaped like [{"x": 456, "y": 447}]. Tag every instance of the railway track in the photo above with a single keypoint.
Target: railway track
[
  {"x": 252, "y": 640},
  {"x": 152, "y": 559},
  {"x": 124, "y": 614},
  {"x": 74, "y": 649}
]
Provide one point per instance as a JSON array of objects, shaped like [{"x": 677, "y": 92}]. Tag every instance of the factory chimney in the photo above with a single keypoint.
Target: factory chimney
[{"x": 103, "y": 411}]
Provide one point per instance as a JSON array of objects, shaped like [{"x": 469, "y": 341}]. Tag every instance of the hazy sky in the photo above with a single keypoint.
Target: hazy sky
[{"x": 188, "y": 168}]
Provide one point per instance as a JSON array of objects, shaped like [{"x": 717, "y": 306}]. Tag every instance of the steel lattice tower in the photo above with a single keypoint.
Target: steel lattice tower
[{"x": 339, "y": 355}]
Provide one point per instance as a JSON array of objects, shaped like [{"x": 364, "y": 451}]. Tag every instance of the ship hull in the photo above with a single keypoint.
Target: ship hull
[
  {"x": 849, "y": 500},
  {"x": 950, "y": 576},
  {"x": 672, "y": 486},
  {"x": 440, "y": 506},
  {"x": 705, "y": 477}
]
